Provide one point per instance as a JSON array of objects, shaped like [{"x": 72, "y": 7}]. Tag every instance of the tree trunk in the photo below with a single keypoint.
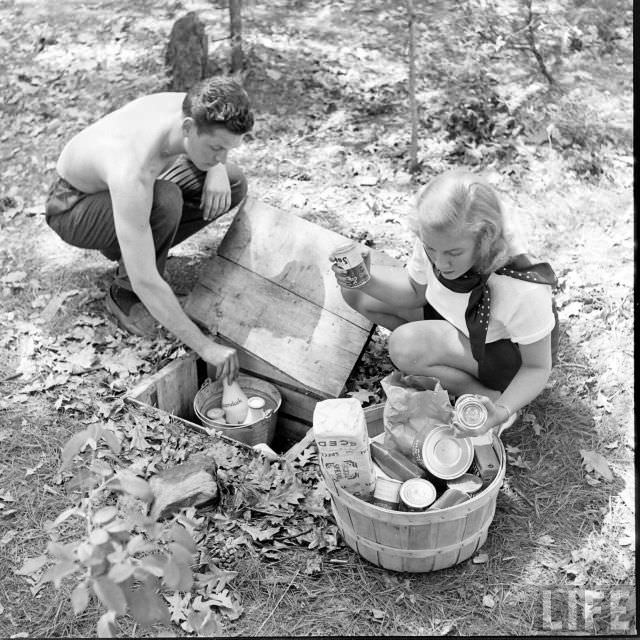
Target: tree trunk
[
  {"x": 235, "y": 24},
  {"x": 413, "y": 108},
  {"x": 187, "y": 52}
]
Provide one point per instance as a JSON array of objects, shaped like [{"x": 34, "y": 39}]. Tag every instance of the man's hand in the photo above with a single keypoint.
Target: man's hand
[
  {"x": 224, "y": 359},
  {"x": 216, "y": 193}
]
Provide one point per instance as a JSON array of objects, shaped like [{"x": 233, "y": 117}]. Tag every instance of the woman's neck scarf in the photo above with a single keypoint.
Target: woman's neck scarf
[{"x": 479, "y": 305}]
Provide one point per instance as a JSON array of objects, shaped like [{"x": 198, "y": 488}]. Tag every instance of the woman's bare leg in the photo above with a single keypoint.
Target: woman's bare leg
[
  {"x": 379, "y": 312},
  {"x": 436, "y": 348}
]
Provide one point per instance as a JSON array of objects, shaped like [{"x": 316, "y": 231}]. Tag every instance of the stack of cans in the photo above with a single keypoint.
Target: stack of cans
[{"x": 443, "y": 469}]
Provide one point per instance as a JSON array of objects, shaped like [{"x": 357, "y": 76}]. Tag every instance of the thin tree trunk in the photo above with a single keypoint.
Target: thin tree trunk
[
  {"x": 235, "y": 22},
  {"x": 413, "y": 108}
]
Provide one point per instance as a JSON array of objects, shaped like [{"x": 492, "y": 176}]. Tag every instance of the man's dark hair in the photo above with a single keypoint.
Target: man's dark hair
[{"x": 221, "y": 102}]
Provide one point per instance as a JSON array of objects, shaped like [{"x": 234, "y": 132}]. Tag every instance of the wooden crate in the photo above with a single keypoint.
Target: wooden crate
[
  {"x": 172, "y": 390},
  {"x": 271, "y": 294}
]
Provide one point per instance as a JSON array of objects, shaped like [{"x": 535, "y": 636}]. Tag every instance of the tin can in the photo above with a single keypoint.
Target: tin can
[
  {"x": 469, "y": 412},
  {"x": 416, "y": 494},
  {"x": 256, "y": 411},
  {"x": 485, "y": 462},
  {"x": 468, "y": 483},
  {"x": 386, "y": 493},
  {"x": 450, "y": 498},
  {"x": 349, "y": 261},
  {"x": 442, "y": 454},
  {"x": 395, "y": 464}
]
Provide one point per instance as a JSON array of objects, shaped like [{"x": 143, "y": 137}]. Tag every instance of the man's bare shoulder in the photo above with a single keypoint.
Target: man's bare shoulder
[{"x": 128, "y": 139}]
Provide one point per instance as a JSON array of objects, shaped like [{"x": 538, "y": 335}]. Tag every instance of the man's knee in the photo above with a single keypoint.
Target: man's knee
[
  {"x": 167, "y": 202},
  {"x": 237, "y": 182}
]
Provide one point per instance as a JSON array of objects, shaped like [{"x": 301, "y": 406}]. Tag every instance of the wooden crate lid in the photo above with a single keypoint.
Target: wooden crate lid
[{"x": 271, "y": 293}]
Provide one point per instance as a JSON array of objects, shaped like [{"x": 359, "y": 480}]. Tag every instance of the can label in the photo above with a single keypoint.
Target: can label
[
  {"x": 350, "y": 262},
  {"x": 469, "y": 412},
  {"x": 387, "y": 490},
  {"x": 416, "y": 450}
]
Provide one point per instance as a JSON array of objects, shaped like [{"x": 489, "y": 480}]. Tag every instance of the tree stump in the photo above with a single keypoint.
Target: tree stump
[
  {"x": 191, "y": 483},
  {"x": 187, "y": 52}
]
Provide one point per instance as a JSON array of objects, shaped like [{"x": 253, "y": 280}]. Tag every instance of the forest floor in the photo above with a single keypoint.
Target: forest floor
[{"x": 328, "y": 81}]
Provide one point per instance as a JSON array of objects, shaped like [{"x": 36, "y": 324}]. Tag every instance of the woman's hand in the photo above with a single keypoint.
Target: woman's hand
[
  {"x": 216, "y": 193},
  {"x": 366, "y": 256},
  {"x": 497, "y": 414}
]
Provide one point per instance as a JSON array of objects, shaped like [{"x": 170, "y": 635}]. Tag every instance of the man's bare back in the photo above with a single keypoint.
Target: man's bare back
[{"x": 137, "y": 133}]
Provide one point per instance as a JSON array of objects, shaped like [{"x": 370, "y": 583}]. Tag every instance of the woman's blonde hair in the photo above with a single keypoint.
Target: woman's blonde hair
[{"x": 463, "y": 201}]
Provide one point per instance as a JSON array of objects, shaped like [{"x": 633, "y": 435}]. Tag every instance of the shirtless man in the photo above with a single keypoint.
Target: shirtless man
[{"x": 142, "y": 179}]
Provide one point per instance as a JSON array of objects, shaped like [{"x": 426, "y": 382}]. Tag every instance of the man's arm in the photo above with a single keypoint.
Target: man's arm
[
  {"x": 132, "y": 196},
  {"x": 216, "y": 192}
]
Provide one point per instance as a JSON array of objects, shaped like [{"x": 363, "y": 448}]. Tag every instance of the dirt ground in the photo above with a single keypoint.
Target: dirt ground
[{"x": 328, "y": 81}]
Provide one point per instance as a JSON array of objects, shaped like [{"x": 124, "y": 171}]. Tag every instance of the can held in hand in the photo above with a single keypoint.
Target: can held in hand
[
  {"x": 349, "y": 261},
  {"x": 469, "y": 412},
  {"x": 387, "y": 493},
  {"x": 416, "y": 494}
]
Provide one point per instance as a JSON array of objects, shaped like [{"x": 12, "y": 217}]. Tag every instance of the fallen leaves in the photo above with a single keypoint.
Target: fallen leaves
[{"x": 595, "y": 463}]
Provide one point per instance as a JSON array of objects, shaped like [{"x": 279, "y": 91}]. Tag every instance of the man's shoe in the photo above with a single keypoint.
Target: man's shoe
[{"x": 130, "y": 313}]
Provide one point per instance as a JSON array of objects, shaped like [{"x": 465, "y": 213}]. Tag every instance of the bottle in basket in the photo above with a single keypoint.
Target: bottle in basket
[
  {"x": 349, "y": 261},
  {"x": 234, "y": 402}
]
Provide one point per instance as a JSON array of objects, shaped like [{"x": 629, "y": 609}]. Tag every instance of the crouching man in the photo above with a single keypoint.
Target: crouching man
[{"x": 141, "y": 180}]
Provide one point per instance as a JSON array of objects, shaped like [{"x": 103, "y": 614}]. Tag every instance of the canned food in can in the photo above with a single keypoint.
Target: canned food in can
[
  {"x": 486, "y": 462},
  {"x": 450, "y": 498},
  {"x": 349, "y": 261},
  {"x": 387, "y": 493},
  {"x": 469, "y": 412},
  {"x": 393, "y": 463},
  {"x": 416, "y": 494},
  {"x": 442, "y": 454},
  {"x": 468, "y": 483}
]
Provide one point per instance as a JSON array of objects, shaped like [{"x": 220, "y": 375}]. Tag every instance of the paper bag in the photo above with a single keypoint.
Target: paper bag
[{"x": 415, "y": 404}]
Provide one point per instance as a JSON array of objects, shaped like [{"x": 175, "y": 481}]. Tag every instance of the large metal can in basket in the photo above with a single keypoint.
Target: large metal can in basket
[
  {"x": 417, "y": 542},
  {"x": 209, "y": 397}
]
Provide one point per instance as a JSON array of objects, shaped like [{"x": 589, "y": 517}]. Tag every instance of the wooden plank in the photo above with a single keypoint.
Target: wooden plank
[
  {"x": 306, "y": 342},
  {"x": 299, "y": 447},
  {"x": 171, "y": 389},
  {"x": 297, "y": 259}
]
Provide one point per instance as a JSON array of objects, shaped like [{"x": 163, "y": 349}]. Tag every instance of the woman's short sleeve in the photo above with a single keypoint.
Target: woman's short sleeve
[
  {"x": 532, "y": 318},
  {"x": 417, "y": 267}
]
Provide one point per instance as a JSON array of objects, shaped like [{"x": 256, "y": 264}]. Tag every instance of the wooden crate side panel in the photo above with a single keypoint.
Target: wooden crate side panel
[
  {"x": 171, "y": 389},
  {"x": 291, "y": 428},
  {"x": 296, "y": 259},
  {"x": 310, "y": 344}
]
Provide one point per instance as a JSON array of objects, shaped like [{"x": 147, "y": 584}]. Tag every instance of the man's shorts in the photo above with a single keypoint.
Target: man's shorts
[{"x": 62, "y": 197}]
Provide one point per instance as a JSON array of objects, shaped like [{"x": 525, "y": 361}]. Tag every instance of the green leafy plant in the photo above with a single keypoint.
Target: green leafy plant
[{"x": 121, "y": 556}]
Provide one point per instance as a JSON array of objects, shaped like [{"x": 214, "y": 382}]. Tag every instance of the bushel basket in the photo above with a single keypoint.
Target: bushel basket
[{"x": 417, "y": 542}]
